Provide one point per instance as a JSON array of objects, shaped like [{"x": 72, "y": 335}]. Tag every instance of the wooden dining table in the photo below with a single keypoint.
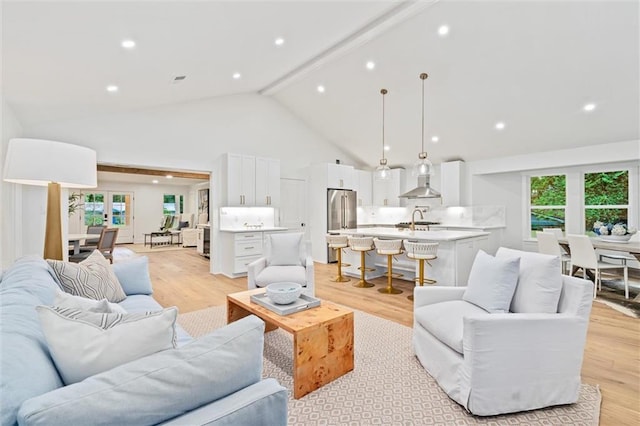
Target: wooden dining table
[
  {"x": 631, "y": 247},
  {"x": 75, "y": 239}
]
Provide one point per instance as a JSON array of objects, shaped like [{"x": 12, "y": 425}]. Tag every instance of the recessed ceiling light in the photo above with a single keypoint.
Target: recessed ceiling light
[
  {"x": 236, "y": 75},
  {"x": 435, "y": 139},
  {"x": 500, "y": 125},
  {"x": 589, "y": 107},
  {"x": 112, "y": 88},
  {"x": 128, "y": 44},
  {"x": 387, "y": 147},
  {"x": 370, "y": 65},
  {"x": 169, "y": 177},
  {"x": 154, "y": 181},
  {"x": 443, "y": 30},
  {"x": 320, "y": 89},
  {"x": 279, "y": 41}
]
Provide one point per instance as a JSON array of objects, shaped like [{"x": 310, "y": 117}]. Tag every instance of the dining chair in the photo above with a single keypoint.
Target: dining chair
[
  {"x": 555, "y": 231},
  {"x": 91, "y": 245},
  {"x": 583, "y": 255},
  {"x": 106, "y": 245},
  {"x": 548, "y": 244}
]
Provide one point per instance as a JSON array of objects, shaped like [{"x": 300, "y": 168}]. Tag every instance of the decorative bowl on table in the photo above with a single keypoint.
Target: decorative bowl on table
[
  {"x": 284, "y": 293},
  {"x": 618, "y": 232},
  {"x": 615, "y": 238}
]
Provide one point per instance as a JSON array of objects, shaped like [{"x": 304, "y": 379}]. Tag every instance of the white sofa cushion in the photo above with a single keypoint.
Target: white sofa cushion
[
  {"x": 492, "y": 281},
  {"x": 284, "y": 249},
  {"x": 86, "y": 343},
  {"x": 539, "y": 282},
  {"x": 276, "y": 274},
  {"x": 444, "y": 320}
]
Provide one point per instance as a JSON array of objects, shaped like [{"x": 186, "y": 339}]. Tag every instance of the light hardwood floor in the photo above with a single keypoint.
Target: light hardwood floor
[{"x": 612, "y": 357}]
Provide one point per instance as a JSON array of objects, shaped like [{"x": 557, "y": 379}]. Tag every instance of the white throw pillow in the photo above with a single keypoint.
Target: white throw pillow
[
  {"x": 66, "y": 300},
  {"x": 539, "y": 284},
  {"x": 285, "y": 249},
  {"x": 85, "y": 343},
  {"x": 492, "y": 281},
  {"x": 92, "y": 278}
]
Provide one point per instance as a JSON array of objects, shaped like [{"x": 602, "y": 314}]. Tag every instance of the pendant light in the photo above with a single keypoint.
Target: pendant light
[
  {"x": 382, "y": 171},
  {"x": 422, "y": 167}
]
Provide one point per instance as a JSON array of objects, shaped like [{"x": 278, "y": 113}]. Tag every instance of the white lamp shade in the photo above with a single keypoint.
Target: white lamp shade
[{"x": 38, "y": 162}]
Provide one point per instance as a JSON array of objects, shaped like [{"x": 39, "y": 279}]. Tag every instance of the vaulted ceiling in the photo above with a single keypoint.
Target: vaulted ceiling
[{"x": 532, "y": 65}]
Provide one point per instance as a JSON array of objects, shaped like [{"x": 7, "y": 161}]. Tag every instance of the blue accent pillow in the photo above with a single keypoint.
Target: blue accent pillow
[
  {"x": 161, "y": 386},
  {"x": 134, "y": 275}
]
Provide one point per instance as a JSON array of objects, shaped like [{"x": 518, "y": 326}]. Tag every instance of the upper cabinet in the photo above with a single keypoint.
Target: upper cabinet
[
  {"x": 364, "y": 187},
  {"x": 387, "y": 192},
  {"x": 340, "y": 176},
  {"x": 451, "y": 176},
  {"x": 246, "y": 180},
  {"x": 267, "y": 181}
]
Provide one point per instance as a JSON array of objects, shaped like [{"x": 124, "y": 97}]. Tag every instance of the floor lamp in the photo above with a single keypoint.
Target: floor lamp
[{"x": 55, "y": 165}]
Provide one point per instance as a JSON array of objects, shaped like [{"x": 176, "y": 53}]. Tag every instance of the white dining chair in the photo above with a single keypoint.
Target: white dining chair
[
  {"x": 584, "y": 256},
  {"x": 548, "y": 244},
  {"x": 555, "y": 231}
]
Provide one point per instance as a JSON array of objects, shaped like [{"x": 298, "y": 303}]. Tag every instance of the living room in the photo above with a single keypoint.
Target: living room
[{"x": 314, "y": 97}]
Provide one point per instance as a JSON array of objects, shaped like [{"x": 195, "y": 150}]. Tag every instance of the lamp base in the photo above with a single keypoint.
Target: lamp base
[{"x": 53, "y": 230}]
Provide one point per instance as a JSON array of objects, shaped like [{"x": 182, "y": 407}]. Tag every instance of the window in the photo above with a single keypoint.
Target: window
[
  {"x": 170, "y": 206},
  {"x": 606, "y": 198},
  {"x": 547, "y": 200},
  {"x": 93, "y": 209}
]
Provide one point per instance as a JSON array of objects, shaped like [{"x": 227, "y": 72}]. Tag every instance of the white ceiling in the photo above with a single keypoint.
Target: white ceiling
[{"x": 531, "y": 64}]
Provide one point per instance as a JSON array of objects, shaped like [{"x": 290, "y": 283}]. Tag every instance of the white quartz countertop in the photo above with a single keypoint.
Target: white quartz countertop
[
  {"x": 262, "y": 229},
  {"x": 480, "y": 227},
  {"x": 435, "y": 235}
]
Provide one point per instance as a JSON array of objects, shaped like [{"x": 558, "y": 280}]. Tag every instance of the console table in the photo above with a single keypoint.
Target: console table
[{"x": 167, "y": 238}]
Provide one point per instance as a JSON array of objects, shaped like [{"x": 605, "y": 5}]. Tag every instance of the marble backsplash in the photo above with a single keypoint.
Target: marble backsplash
[
  {"x": 247, "y": 217},
  {"x": 461, "y": 216}
]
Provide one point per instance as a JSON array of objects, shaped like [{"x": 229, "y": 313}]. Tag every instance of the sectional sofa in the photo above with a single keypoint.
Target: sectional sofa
[{"x": 213, "y": 380}]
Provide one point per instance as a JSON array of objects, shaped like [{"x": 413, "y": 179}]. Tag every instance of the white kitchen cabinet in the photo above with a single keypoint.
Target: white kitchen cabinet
[
  {"x": 451, "y": 176},
  {"x": 364, "y": 188},
  {"x": 340, "y": 176},
  {"x": 248, "y": 181},
  {"x": 240, "y": 180},
  {"x": 387, "y": 192},
  {"x": 238, "y": 250},
  {"x": 267, "y": 180}
]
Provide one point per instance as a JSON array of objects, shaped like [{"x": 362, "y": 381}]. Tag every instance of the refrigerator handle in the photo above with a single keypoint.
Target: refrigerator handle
[{"x": 343, "y": 209}]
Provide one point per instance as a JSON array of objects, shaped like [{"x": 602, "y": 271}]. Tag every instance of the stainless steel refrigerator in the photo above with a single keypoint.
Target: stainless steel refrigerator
[{"x": 341, "y": 213}]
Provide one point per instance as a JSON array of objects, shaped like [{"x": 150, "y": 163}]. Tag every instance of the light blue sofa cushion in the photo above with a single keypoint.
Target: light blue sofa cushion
[
  {"x": 142, "y": 303},
  {"x": 158, "y": 387},
  {"x": 26, "y": 368},
  {"x": 133, "y": 275}
]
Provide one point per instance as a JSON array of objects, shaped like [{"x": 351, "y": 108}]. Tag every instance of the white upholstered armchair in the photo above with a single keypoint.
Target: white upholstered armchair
[
  {"x": 190, "y": 234},
  {"x": 287, "y": 258},
  {"x": 526, "y": 358}
]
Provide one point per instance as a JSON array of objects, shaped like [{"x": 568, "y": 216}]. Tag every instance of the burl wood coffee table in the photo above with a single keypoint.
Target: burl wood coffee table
[{"x": 322, "y": 338}]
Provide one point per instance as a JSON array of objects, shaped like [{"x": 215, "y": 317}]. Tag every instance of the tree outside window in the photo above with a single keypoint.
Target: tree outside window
[
  {"x": 172, "y": 204},
  {"x": 606, "y": 198},
  {"x": 547, "y": 201},
  {"x": 93, "y": 209}
]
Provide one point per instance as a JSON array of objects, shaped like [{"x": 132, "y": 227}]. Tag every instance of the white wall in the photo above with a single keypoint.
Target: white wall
[
  {"x": 500, "y": 181},
  {"x": 184, "y": 136},
  {"x": 192, "y": 135}
]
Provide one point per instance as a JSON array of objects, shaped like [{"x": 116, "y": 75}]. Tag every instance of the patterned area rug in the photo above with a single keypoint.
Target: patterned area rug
[{"x": 388, "y": 384}]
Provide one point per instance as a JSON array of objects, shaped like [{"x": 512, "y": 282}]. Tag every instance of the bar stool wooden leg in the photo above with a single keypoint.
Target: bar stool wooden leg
[
  {"x": 363, "y": 283},
  {"x": 389, "y": 289},
  {"x": 340, "y": 278}
]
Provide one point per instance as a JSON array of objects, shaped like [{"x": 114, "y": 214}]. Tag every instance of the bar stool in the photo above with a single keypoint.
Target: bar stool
[
  {"x": 338, "y": 242},
  {"x": 363, "y": 245},
  {"x": 389, "y": 248},
  {"x": 421, "y": 252}
]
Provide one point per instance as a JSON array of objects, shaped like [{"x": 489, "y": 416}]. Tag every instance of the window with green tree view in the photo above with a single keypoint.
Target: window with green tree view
[
  {"x": 547, "y": 201},
  {"x": 606, "y": 198}
]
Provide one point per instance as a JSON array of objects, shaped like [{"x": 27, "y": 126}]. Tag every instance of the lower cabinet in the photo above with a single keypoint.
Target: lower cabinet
[{"x": 238, "y": 250}]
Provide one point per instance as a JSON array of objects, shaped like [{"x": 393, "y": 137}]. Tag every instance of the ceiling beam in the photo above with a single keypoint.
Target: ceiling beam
[
  {"x": 152, "y": 172},
  {"x": 382, "y": 23}
]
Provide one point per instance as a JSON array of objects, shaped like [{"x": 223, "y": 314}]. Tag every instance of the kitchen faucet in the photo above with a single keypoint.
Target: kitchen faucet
[{"x": 413, "y": 218}]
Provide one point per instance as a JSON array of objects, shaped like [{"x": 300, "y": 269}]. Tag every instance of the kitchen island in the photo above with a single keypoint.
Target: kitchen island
[{"x": 456, "y": 252}]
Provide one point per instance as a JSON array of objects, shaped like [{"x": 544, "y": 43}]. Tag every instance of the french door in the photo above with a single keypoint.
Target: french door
[{"x": 111, "y": 208}]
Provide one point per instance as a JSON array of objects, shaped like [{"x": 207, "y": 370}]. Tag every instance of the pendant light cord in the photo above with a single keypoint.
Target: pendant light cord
[
  {"x": 384, "y": 92},
  {"x": 423, "y": 77}
]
